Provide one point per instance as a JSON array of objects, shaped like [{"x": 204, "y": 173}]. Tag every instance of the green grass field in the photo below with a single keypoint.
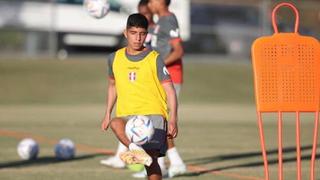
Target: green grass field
[{"x": 218, "y": 139}]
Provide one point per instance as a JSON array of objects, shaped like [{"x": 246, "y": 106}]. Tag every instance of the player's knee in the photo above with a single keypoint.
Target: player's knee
[
  {"x": 154, "y": 168},
  {"x": 113, "y": 124},
  {"x": 170, "y": 143}
]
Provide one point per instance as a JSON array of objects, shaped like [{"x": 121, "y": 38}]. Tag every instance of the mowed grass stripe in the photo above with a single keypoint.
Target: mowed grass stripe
[
  {"x": 74, "y": 82},
  {"x": 89, "y": 149}
]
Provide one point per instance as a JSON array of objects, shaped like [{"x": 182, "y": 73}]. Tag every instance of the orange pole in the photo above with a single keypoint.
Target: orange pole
[
  {"x": 314, "y": 147},
  {"x": 298, "y": 146},
  {"x": 280, "y": 165},
  {"x": 263, "y": 146}
]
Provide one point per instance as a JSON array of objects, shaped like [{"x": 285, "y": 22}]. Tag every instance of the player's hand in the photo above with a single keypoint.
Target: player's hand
[
  {"x": 172, "y": 129},
  {"x": 105, "y": 124}
]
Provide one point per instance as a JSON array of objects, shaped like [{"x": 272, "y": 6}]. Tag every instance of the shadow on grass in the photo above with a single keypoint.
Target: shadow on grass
[
  {"x": 211, "y": 159},
  {"x": 252, "y": 164},
  {"x": 236, "y": 156},
  {"x": 44, "y": 161}
]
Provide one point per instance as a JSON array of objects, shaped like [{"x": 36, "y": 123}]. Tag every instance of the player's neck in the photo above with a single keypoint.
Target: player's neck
[
  {"x": 164, "y": 12},
  {"x": 132, "y": 51},
  {"x": 152, "y": 24}
]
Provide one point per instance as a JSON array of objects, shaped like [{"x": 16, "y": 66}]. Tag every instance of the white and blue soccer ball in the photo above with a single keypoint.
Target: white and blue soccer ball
[
  {"x": 28, "y": 149},
  {"x": 139, "y": 129},
  {"x": 65, "y": 149},
  {"x": 97, "y": 8}
]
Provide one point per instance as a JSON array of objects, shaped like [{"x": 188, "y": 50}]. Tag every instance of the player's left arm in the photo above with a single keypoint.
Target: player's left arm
[
  {"x": 173, "y": 106},
  {"x": 176, "y": 52},
  {"x": 165, "y": 79}
]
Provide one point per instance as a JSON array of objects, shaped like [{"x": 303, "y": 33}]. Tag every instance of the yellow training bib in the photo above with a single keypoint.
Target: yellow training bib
[{"x": 139, "y": 91}]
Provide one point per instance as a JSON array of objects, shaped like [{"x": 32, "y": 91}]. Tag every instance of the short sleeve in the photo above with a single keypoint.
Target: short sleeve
[
  {"x": 162, "y": 71},
  {"x": 173, "y": 27},
  {"x": 110, "y": 64}
]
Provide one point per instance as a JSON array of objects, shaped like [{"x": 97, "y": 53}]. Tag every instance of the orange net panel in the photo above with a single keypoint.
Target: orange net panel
[{"x": 286, "y": 71}]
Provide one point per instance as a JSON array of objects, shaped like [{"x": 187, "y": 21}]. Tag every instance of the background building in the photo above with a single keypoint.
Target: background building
[{"x": 225, "y": 27}]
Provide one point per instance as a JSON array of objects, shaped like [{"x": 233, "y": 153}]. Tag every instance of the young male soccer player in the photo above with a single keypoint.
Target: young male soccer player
[
  {"x": 115, "y": 161},
  {"x": 177, "y": 166},
  {"x": 167, "y": 42},
  {"x": 140, "y": 84}
]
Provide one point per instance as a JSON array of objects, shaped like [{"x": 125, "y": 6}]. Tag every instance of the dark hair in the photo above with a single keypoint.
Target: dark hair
[
  {"x": 137, "y": 20},
  {"x": 167, "y": 2},
  {"x": 143, "y": 3}
]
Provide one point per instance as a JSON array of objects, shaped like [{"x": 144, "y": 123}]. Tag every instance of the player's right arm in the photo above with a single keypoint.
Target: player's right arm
[
  {"x": 111, "y": 99},
  {"x": 111, "y": 95}
]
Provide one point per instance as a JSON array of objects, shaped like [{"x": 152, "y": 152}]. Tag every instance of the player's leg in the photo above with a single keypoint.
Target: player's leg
[
  {"x": 158, "y": 142},
  {"x": 115, "y": 161},
  {"x": 173, "y": 154},
  {"x": 118, "y": 126},
  {"x": 153, "y": 171},
  {"x": 164, "y": 171},
  {"x": 161, "y": 162},
  {"x": 177, "y": 166},
  {"x": 136, "y": 154},
  {"x": 177, "y": 88}
]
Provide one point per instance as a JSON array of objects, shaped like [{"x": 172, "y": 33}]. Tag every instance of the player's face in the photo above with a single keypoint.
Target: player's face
[
  {"x": 144, "y": 10},
  {"x": 135, "y": 37},
  {"x": 153, "y": 5}
]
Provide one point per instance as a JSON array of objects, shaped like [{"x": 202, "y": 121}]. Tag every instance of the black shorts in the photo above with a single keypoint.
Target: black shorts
[{"x": 159, "y": 138}]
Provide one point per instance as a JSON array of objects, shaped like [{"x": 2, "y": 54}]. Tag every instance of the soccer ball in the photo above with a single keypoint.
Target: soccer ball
[
  {"x": 139, "y": 129},
  {"x": 97, "y": 8},
  {"x": 65, "y": 149},
  {"x": 28, "y": 149}
]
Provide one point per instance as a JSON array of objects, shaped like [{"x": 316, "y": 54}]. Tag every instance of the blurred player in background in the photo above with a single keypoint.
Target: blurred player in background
[
  {"x": 137, "y": 72},
  {"x": 167, "y": 42},
  {"x": 144, "y": 10}
]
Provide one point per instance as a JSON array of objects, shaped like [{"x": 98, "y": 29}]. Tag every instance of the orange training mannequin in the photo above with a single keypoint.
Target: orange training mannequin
[{"x": 287, "y": 79}]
